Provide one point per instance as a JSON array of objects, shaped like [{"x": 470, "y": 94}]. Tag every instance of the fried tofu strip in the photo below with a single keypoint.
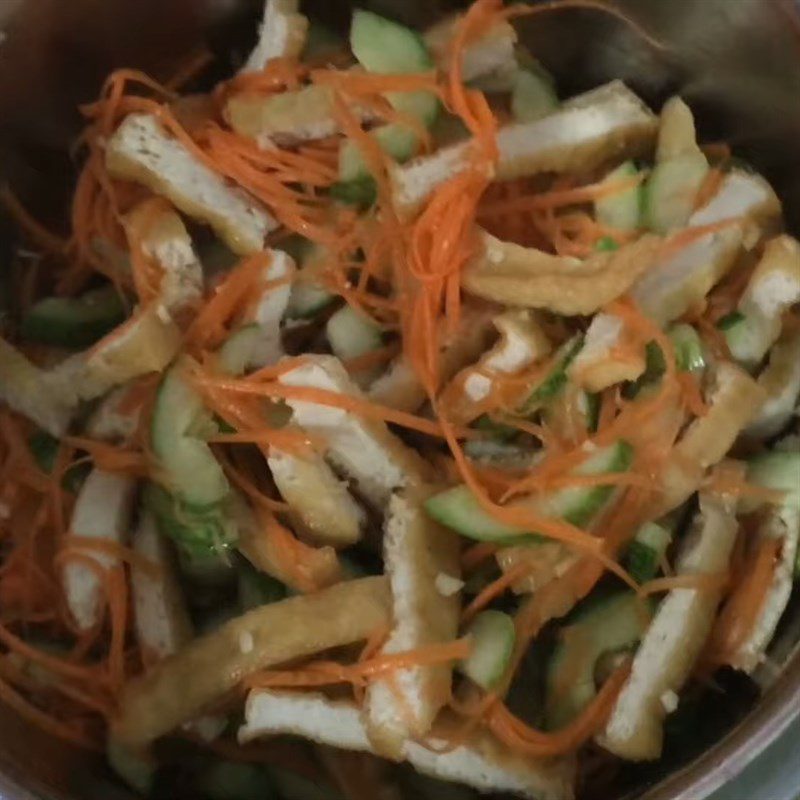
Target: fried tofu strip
[
  {"x": 480, "y": 762},
  {"x": 184, "y": 685},
  {"x": 608, "y": 122},
  {"x": 525, "y": 277},
  {"x": 141, "y": 150},
  {"x": 281, "y": 34},
  {"x": 675, "y": 637},
  {"x": 363, "y": 449},
  {"x": 416, "y": 552}
]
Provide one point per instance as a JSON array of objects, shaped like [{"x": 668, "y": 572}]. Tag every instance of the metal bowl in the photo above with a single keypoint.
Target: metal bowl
[{"x": 736, "y": 61}]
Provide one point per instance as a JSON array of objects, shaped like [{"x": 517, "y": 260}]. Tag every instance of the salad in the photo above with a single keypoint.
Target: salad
[{"x": 387, "y": 421}]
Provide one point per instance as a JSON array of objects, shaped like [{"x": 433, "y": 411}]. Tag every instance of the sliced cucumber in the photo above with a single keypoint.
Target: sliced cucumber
[
  {"x": 395, "y": 140},
  {"x": 236, "y": 355},
  {"x": 645, "y": 552},
  {"x": 533, "y": 94},
  {"x": 457, "y": 508},
  {"x": 386, "y": 47},
  {"x": 579, "y": 504},
  {"x": 137, "y": 770},
  {"x": 690, "y": 355},
  {"x": 493, "y": 636},
  {"x": 778, "y": 470},
  {"x": 556, "y": 380},
  {"x": 74, "y": 322},
  {"x": 610, "y": 626},
  {"x": 307, "y": 298},
  {"x": 747, "y": 337},
  {"x": 608, "y": 244},
  {"x": 352, "y": 334},
  {"x": 622, "y": 210},
  {"x": 179, "y": 420},
  {"x": 497, "y": 430},
  {"x": 672, "y": 190},
  {"x": 204, "y": 534},
  {"x": 257, "y": 589},
  {"x": 360, "y": 192},
  {"x": 232, "y": 780}
]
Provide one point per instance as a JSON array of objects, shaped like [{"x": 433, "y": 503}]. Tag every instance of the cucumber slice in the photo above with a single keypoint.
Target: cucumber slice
[
  {"x": 493, "y": 636},
  {"x": 497, "y": 430},
  {"x": 137, "y": 770},
  {"x": 386, "y": 47},
  {"x": 622, "y": 210},
  {"x": 352, "y": 334},
  {"x": 360, "y": 192},
  {"x": 307, "y": 298},
  {"x": 204, "y": 535},
  {"x": 533, "y": 95},
  {"x": 74, "y": 322},
  {"x": 179, "y": 419},
  {"x": 606, "y": 245},
  {"x": 457, "y": 508},
  {"x": 747, "y": 337},
  {"x": 556, "y": 380},
  {"x": 236, "y": 355},
  {"x": 613, "y": 625},
  {"x": 229, "y": 780},
  {"x": 672, "y": 191},
  {"x": 690, "y": 355},
  {"x": 779, "y": 470},
  {"x": 645, "y": 552}
]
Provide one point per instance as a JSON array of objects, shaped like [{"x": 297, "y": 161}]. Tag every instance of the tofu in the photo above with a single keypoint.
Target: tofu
[
  {"x": 522, "y": 343},
  {"x": 780, "y": 380},
  {"x": 103, "y": 512},
  {"x": 508, "y": 273},
  {"x": 680, "y": 280},
  {"x": 319, "y": 501},
  {"x": 675, "y": 638},
  {"x": 782, "y": 523},
  {"x": 163, "y": 238},
  {"x": 607, "y": 123},
  {"x": 112, "y": 420},
  {"x": 481, "y": 762},
  {"x": 145, "y": 343},
  {"x": 288, "y": 118},
  {"x": 269, "y": 308},
  {"x": 362, "y": 449},
  {"x": 161, "y": 616},
  {"x": 673, "y": 286},
  {"x": 22, "y": 389},
  {"x": 734, "y": 399},
  {"x": 415, "y": 552},
  {"x": 489, "y": 53},
  {"x": 596, "y": 365},
  {"x": 141, "y": 150},
  {"x": 281, "y": 34},
  {"x": 399, "y": 386},
  {"x": 201, "y": 674}
]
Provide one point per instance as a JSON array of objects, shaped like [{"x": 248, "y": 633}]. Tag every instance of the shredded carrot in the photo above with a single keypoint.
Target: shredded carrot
[
  {"x": 327, "y": 673},
  {"x": 537, "y": 744},
  {"x": 701, "y": 582},
  {"x": 741, "y": 611}
]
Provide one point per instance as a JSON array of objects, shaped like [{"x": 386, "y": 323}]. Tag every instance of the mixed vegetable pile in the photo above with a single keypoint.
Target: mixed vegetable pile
[{"x": 386, "y": 404}]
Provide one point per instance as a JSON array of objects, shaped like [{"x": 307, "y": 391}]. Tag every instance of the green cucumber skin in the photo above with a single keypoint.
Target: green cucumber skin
[
  {"x": 554, "y": 382},
  {"x": 615, "y": 623},
  {"x": 74, "y": 322},
  {"x": 493, "y": 638},
  {"x": 458, "y": 509},
  {"x": 623, "y": 211}
]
